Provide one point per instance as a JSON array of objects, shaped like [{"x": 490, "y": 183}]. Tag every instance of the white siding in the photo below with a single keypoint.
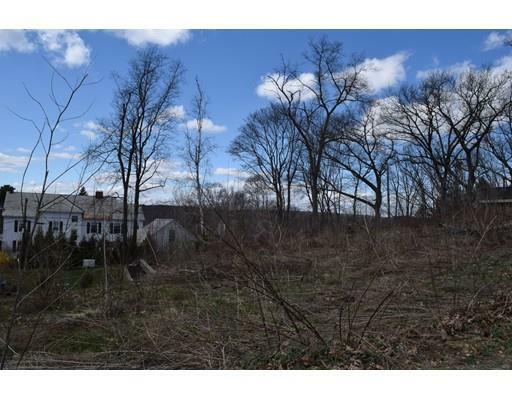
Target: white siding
[{"x": 58, "y": 219}]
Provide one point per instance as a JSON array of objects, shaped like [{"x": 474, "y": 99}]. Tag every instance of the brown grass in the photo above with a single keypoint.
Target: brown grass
[{"x": 390, "y": 297}]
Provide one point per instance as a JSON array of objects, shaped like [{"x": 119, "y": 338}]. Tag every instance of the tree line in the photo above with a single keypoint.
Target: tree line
[{"x": 423, "y": 149}]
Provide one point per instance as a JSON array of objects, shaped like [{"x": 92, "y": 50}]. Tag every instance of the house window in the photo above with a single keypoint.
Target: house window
[
  {"x": 14, "y": 247},
  {"x": 28, "y": 225},
  {"x": 15, "y": 225},
  {"x": 115, "y": 228},
  {"x": 94, "y": 227},
  {"x": 74, "y": 218},
  {"x": 55, "y": 226},
  {"x": 172, "y": 235}
]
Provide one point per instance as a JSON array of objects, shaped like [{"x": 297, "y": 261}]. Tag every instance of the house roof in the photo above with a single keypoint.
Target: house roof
[
  {"x": 495, "y": 194},
  {"x": 159, "y": 223},
  {"x": 164, "y": 211},
  {"x": 89, "y": 206}
]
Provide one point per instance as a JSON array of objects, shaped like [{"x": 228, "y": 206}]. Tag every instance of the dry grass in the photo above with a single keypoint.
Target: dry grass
[{"x": 394, "y": 297}]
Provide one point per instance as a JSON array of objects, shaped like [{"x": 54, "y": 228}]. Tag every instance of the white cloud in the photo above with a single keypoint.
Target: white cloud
[
  {"x": 454, "y": 69},
  {"x": 160, "y": 37},
  {"x": 173, "y": 170},
  {"x": 460, "y": 68},
  {"x": 67, "y": 47},
  {"x": 89, "y": 129},
  {"x": 92, "y": 125},
  {"x": 208, "y": 126},
  {"x": 89, "y": 134},
  {"x": 23, "y": 150},
  {"x": 496, "y": 39},
  {"x": 381, "y": 73},
  {"x": 16, "y": 40},
  {"x": 232, "y": 172},
  {"x": 269, "y": 86},
  {"x": 10, "y": 163},
  {"x": 179, "y": 175},
  {"x": 500, "y": 66},
  {"x": 177, "y": 112},
  {"x": 59, "y": 187},
  {"x": 503, "y": 65},
  {"x": 64, "y": 155},
  {"x": 61, "y": 147}
]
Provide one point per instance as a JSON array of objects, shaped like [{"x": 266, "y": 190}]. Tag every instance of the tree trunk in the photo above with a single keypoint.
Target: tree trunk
[
  {"x": 200, "y": 203},
  {"x": 133, "y": 241},
  {"x": 124, "y": 226}
]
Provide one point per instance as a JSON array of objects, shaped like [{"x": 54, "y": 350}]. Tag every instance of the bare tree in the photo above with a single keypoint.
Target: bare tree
[
  {"x": 471, "y": 106},
  {"x": 258, "y": 195},
  {"x": 56, "y": 253},
  {"x": 365, "y": 151},
  {"x": 499, "y": 144},
  {"x": 197, "y": 148},
  {"x": 136, "y": 136},
  {"x": 117, "y": 151},
  {"x": 406, "y": 183},
  {"x": 156, "y": 83},
  {"x": 268, "y": 147},
  {"x": 332, "y": 202},
  {"x": 414, "y": 117},
  {"x": 312, "y": 99}
]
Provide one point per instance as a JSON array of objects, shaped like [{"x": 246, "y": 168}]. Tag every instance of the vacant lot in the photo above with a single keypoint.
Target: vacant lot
[{"x": 399, "y": 297}]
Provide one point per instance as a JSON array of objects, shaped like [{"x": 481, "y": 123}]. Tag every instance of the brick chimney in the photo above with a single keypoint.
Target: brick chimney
[{"x": 99, "y": 195}]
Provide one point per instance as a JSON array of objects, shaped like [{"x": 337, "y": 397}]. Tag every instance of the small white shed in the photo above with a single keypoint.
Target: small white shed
[{"x": 167, "y": 233}]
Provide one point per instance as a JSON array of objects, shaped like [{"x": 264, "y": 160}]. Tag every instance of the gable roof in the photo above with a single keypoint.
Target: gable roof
[
  {"x": 89, "y": 206},
  {"x": 158, "y": 224}
]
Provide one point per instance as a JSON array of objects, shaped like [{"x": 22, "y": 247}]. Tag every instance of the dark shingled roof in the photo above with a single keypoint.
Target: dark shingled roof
[
  {"x": 89, "y": 206},
  {"x": 495, "y": 194}
]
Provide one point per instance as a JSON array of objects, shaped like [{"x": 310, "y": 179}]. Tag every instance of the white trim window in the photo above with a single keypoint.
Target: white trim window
[
  {"x": 94, "y": 227},
  {"x": 56, "y": 226},
  {"x": 115, "y": 228}
]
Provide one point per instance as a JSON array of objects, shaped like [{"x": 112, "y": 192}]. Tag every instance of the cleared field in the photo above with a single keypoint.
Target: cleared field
[{"x": 399, "y": 298}]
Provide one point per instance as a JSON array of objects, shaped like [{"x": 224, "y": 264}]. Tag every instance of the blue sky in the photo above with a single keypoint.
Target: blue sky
[{"x": 231, "y": 64}]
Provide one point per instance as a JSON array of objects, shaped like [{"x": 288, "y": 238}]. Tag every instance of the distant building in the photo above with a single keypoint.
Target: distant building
[
  {"x": 166, "y": 233},
  {"x": 495, "y": 195},
  {"x": 84, "y": 216}
]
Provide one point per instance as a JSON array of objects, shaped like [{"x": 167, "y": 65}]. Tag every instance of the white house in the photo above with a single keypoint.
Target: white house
[{"x": 86, "y": 216}]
